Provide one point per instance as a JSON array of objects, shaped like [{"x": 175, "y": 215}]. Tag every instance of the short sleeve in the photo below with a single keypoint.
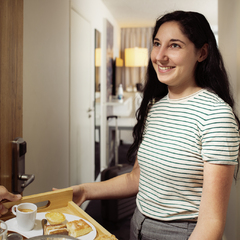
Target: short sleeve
[{"x": 220, "y": 136}]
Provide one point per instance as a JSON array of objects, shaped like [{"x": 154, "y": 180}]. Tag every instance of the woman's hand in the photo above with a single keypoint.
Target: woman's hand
[{"x": 5, "y": 194}]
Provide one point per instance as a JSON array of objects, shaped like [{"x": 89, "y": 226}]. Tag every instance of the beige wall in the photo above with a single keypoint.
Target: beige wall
[
  {"x": 46, "y": 93},
  {"x": 46, "y": 85},
  {"x": 229, "y": 43}
]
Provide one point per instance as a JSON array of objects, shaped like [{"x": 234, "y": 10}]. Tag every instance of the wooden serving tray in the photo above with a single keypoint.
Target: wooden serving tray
[{"x": 59, "y": 200}]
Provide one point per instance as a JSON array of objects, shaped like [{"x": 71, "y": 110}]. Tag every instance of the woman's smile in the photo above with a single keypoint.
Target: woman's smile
[
  {"x": 174, "y": 59},
  {"x": 164, "y": 69}
]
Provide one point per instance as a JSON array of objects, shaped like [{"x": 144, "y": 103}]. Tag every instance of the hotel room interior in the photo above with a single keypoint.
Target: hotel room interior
[{"x": 76, "y": 53}]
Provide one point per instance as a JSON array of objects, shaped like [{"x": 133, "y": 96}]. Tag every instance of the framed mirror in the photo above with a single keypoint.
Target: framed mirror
[{"x": 97, "y": 100}]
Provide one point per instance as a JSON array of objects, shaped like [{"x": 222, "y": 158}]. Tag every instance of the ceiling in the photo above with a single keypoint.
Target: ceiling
[{"x": 143, "y": 13}]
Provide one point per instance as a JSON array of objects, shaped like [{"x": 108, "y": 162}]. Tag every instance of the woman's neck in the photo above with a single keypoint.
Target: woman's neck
[{"x": 176, "y": 93}]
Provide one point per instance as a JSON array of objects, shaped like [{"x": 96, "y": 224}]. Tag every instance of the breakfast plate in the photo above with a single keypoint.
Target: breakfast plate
[{"x": 37, "y": 230}]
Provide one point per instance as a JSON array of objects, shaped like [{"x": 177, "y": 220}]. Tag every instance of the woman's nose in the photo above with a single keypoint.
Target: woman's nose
[{"x": 162, "y": 55}]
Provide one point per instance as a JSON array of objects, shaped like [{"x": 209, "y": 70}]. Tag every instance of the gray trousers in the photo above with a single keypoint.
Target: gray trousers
[{"x": 144, "y": 228}]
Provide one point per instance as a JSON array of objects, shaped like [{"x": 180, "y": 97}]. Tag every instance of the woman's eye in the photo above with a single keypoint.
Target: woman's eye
[
  {"x": 175, "y": 45},
  {"x": 156, "y": 44}
]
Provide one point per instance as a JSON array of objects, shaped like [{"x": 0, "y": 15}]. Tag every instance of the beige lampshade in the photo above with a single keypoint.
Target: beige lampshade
[
  {"x": 136, "y": 57},
  {"x": 97, "y": 57},
  {"x": 119, "y": 62}
]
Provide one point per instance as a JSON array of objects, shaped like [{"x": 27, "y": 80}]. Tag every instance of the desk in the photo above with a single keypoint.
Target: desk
[
  {"x": 122, "y": 124},
  {"x": 121, "y": 108},
  {"x": 125, "y": 111}
]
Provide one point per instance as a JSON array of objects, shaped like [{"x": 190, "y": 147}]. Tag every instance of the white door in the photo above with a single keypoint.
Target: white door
[{"x": 81, "y": 118}]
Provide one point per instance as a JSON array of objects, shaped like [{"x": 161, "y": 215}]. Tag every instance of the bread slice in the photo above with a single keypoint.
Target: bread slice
[
  {"x": 55, "y": 218},
  {"x": 105, "y": 237},
  {"x": 78, "y": 228},
  {"x": 55, "y": 229}
]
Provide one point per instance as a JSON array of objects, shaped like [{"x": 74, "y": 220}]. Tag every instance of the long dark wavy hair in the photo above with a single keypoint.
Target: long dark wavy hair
[{"x": 210, "y": 73}]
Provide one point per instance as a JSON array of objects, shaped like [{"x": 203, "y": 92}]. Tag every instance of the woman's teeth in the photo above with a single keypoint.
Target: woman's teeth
[{"x": 165, "y": 68}]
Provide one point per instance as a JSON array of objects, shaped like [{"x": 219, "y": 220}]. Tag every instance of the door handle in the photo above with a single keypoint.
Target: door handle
[
  {"x": 27, "y": 178},
  {"x": 20, "y": 180}
]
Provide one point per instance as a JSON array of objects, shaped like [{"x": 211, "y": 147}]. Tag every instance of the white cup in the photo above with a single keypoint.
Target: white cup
[
  {"x": 26, "y": 215},
  {"x": 3, "y": 230}
]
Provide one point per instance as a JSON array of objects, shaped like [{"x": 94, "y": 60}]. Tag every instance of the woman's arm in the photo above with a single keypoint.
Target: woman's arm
[
  {"x": 214, "y": 202},
  {"x": 125, "y": 185}
]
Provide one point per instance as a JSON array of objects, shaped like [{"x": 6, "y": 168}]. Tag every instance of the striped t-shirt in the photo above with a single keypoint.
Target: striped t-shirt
[{"x": 179, "y": 136}]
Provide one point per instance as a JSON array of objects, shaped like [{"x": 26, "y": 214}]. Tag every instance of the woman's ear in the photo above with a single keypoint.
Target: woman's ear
[{"x": 203, "y": 53}]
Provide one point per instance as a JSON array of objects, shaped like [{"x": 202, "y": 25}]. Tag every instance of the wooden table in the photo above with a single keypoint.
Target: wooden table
[{"x": 59, "y": 200}]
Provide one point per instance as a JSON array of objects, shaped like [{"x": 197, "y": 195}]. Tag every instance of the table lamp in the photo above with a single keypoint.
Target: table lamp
[{"x": 136, "y": 57}]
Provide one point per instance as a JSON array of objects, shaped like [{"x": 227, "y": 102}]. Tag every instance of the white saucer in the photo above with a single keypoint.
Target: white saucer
[{"x": 37, "y": 230}]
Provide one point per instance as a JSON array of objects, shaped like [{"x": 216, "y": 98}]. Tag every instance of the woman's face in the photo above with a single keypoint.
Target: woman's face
[{"x": 174, "y": 57}]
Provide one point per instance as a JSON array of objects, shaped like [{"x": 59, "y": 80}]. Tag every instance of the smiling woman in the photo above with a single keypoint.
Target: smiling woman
[
  {"x": 186, "y": 140},
  {"x": 175, "y": 58},
  {"x": 187, "y": 145}
]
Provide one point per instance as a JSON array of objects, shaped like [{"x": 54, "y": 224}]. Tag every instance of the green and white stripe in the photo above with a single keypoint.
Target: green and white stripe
[{"x": 179, "y": 136}]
